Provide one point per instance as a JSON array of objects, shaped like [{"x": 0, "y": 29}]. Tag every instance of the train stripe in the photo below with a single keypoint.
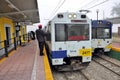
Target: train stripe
[{"x": 59, "y": 54}]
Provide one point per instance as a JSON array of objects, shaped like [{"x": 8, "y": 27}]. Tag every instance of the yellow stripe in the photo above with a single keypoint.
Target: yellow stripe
[
  {"x": 109, "y": 46},
  {"x": 2, "y": 60},
  {"x": 5, "y": 58},
  {"x": 48, "y": 72},
  {"x": 116, "y": 49}
]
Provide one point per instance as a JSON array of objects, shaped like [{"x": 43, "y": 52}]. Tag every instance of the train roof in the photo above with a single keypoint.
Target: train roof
[
  {"x": 68, "y": 16},
  {"x": 101, "y": 23},
  {"x": 105, "y": 21}
]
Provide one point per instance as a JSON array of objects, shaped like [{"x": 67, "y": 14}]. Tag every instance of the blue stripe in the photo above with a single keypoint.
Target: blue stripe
[{"x": 59, "y": 54}]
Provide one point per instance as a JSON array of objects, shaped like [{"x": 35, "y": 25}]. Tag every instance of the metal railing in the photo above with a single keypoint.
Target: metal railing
[{"x": 11, "y": 44}]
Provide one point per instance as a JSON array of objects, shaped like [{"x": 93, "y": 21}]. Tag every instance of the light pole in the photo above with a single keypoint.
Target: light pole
[{"x": 97, "y": 11}]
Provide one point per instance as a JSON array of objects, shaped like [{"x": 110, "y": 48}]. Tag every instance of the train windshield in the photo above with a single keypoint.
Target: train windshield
[
  {"x": 101, "y": 33},
  {"x": 71, "y": 32}
]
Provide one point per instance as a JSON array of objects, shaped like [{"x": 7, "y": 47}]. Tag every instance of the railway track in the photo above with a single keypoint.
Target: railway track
[
  {"x": 99, "y": 69},
  {"x": 72, "y": 75},
  {"x": 107, "y": 64},
  {"x": 114, "y": 61}
]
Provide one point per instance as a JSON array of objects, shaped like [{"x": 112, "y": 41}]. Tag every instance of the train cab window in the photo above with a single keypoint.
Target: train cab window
[
  {"x": 71, "y": 32},
  {"x": 77, "y": 32},
  {"x": 103, "y": 33}
]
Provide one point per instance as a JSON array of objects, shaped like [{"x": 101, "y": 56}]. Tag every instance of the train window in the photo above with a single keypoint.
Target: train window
[
  {"x": 77, "y": 32},
  {"x": 59, "y": 32},
  {"x": 103, "y": 33},
  {"x": 71, "y": 32},
  {"x": 93, "y": 33}
]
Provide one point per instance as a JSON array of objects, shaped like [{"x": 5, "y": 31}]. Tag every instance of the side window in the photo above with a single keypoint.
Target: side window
[
  {"x": 59, "y": 32},
  {"x": 93, "y": 33}
]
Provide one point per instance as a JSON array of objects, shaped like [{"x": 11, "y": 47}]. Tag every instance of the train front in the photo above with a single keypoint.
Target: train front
[
  {"x": 101, "y": 36},
  {"x": 70, "y": 41}
]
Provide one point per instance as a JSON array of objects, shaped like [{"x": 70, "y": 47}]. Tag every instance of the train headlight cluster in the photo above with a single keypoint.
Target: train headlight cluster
[{"x": 72, "y": 15}]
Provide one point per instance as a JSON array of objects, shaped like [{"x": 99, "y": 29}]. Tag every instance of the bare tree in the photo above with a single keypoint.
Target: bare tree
[{"x": 116, "y": 9}]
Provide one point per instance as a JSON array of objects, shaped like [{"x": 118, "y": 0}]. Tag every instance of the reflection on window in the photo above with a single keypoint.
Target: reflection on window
[
  {"x": 71, "y": 32},
  {"x": 100, "y": 33},
  {"x": 103, "y": 33}
]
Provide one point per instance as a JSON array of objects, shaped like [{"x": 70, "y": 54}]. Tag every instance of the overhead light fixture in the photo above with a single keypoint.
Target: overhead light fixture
[{"x": 11, "y": 6}]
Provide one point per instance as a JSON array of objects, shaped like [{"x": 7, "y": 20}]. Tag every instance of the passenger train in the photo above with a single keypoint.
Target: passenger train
[
  {"x": 69, "y": 41},
  {"x": 101, "y": 36}
]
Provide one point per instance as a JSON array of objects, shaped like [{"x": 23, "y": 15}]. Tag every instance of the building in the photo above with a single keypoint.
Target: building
[{"x": 7, "y": 31}]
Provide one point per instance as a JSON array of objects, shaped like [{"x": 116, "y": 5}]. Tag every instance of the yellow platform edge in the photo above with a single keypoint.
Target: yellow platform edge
[
  {"x": 48, "y": 73},
  {"x": 116, "y": 49}
]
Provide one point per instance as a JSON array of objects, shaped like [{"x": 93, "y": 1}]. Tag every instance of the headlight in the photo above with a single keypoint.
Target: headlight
[
  {"x": 74, "y": 15},
  {"x": 70, "y": 15}
]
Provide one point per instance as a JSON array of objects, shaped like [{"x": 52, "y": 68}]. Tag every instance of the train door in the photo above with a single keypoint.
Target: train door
[{"x": 8, "y": 34}]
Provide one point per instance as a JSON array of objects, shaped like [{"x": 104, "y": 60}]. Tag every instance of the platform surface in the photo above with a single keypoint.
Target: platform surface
[
  {"x": 117, "y": 45},
  {"x": 23, "y": 64}
]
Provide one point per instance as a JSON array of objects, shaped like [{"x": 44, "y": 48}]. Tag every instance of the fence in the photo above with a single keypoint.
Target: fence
[{"x": 11, "y": 44}]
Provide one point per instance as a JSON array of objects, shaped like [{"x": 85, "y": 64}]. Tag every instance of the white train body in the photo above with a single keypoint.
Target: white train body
[
  {"x": 104, "y": 44},
  {"x": 70, "y": 35}
]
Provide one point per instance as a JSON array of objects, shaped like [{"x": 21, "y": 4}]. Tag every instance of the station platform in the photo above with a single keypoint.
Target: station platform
[
  {"x": 115, "y": 51},
  {"x": 116, "y": 46},
  {"x": 25, "y": 63}
]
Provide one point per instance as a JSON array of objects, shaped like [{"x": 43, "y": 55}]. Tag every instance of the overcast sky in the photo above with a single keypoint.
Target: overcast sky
[{"x": 47, "y": 8}]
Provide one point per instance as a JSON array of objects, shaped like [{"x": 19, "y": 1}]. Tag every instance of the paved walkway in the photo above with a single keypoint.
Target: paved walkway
[
  {"x": 23, "y": 65},
  {"x": 117, "y": 45}
]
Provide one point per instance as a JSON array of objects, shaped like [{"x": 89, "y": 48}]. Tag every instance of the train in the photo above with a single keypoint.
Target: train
[
  {"x": 68, "y": 41},
  {"x": 101, "y": 36}
]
